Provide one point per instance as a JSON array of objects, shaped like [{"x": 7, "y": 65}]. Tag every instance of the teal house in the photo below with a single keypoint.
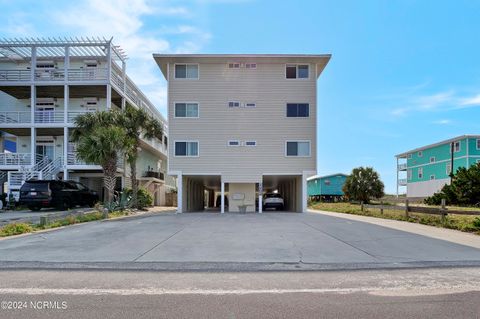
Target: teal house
[
  {"x": 326, "y": 187},
  {"x": 425, "y": 170}
]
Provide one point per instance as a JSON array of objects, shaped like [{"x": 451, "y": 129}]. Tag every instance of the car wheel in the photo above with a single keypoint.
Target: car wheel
[{"x": 34, "y": 208}]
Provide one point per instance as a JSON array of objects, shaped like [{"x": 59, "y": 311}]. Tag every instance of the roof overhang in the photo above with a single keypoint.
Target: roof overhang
[
  {"x": 320, "y": 60},
  {"x": 461, "y": 137}
]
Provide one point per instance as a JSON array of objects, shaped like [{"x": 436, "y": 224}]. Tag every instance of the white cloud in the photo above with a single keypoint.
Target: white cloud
[
  {"x": 442, "y": 122},
  {"x": 470, "y": 101}
]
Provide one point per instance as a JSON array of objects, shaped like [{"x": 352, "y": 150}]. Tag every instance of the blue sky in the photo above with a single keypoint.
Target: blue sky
[{"x": 403, "y": 73}]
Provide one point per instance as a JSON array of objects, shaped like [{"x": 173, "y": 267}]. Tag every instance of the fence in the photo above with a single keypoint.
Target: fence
[{"x": 443, "y": 211}]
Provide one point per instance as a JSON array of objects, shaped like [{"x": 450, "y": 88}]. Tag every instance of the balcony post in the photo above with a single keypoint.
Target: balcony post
[
  {"x": 33, "y": 138},
  {"x": 66, "y": 63},
  {"x": 397, "y": 177},
  {"x": 33, "y": 64},
  {"x": 124, "y": 79},
  {"x": 66, "y": 100},
  {"x": 65, "y": 153},
  {"x": 33, "y": 102}
]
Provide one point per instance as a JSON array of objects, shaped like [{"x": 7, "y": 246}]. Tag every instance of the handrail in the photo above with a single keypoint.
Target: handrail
[
  {"x": 15, "y": 117},
  {"x": 15, "y": 158},
  {"x": 49, "y": 116}
]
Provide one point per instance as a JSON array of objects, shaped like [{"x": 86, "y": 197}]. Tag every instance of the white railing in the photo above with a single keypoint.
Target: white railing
[
  {"x": 13, "y": 117},
  {"x": 402, "y": 182},
  {"x": 74, "y": 114},
  {"x": 72, "y": 159},
  {"x": 15, "y": 159},
  {"x": 117, "y": 80},
  {"x": 402, "y": 167},
  {"x": 16, "y": 179},
  {"x": 50, "y": 75},
  {"x": 15, "y": 75},
  {"x": 52, "y": 168},
  {"x": 87, "y": 74},
  {"x": 49, "y": 116},
  {"x": 156, "y": 144}
]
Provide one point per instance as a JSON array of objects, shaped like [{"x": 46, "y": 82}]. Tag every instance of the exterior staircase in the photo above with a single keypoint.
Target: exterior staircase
[{"x": 45, "y": 168}]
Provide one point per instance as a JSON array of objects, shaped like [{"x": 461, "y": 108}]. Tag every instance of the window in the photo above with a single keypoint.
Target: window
[
  {"x": 186, "y": 109},
  {"x": 432, "y": 159},
  {"x": 409, "y": 156},
  {"x": 456, "y": 146},
  {"x": 233, "y": 143},
  {"x": 420, "y": 154},
  {"x": 297, "y": 110},
  {"x": 250, "y": 143},
  {"x": 478, "y": 144},
  {"x": 432, "y": 177},
  {"x": 186, "y": 71},
  {"x": 409, "y": 174},
  {"x": 294, "y": 71},
  {"x": 186, "y": 148},
  {"x": 250, "y": 105},
  {"x": 250, "y": 66},
  {"x": 233, "y": 104},
  {"x": 298, "y": 148},
  {"x": 45, "y": 65},
  {"x": 234, "y": 65},
  {"x": 449, "y": 169},
  {"x": 420, "y": 172}
]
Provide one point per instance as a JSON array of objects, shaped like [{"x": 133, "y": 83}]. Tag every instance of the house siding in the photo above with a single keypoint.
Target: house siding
[{"x": 266, "y": 124}]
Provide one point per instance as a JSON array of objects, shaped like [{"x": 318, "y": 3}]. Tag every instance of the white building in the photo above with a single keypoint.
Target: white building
[
  {"x": 240, "y": 126},
  {"x": 44, "y": 85}
]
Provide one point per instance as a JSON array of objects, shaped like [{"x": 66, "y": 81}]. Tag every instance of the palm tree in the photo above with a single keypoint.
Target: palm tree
[
  {"x": 138, "y": 123},
  {"x": 100, "y": 140}
]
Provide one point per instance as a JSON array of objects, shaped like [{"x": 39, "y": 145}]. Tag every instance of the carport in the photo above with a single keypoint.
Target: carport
[
  {"x": 200, "y": 192},
  {"x": 289, "y": 186}
]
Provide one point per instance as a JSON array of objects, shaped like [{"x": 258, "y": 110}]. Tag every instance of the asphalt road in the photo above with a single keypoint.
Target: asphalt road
[{"x": 421, "y": 293}]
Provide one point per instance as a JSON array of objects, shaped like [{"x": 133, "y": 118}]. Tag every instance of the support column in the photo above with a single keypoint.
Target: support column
[
  {"x": 179, "y": 193},
  {"x": 33, "y": 102},
  {"x": 109, "y": 96},
  {"x": 65, "y": 153},
  {"x": 397, "y": 176},
  {"x": 304, "y": 193},
  {"x": 260, "y": 197},
  {"x": 33, "y": 138},
  {"x": 124, "y": 79},
  {"x": 222, "y": 197}
]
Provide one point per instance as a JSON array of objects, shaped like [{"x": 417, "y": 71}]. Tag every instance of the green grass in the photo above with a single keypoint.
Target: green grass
[
  {"x": 459, "y": 222},
  {"x": 22, "y": 228}
]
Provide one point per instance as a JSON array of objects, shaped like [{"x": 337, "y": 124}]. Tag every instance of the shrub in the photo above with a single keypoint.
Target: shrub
[
  {"x": 363, "y": 184},
  {"x": 15, "y": 229},
  {"x": 144, "y": 198}
]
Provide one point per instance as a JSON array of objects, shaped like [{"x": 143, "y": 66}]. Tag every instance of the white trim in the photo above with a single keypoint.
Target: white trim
[
  {"x": 296, "y": 71},
  {"x": 186, "y": 117},
  {"x": 299, "y": 141},
  {"x": 186, "y": 141},
  {"x": 299, "y": 117},
  {"x": 185, "y": 78},
  {"x": 253, "y": 145},
  {"x": 478, "y": 143},
  {"x": 233, "y": 145},
  {"x": 442, "y": 161}
]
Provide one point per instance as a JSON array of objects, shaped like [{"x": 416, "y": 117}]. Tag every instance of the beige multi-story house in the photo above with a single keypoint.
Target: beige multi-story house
[
  {"x": 241, "y": 126},
  {"x": 44, "y": 85}
]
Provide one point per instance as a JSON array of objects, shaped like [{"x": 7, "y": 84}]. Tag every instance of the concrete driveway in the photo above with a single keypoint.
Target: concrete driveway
[{"x": 269, "y": 238}]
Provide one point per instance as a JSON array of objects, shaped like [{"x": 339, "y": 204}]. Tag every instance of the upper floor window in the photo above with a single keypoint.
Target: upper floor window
[
  {"x": 420, "y": 172},
  {"x": 186, "y": 71},
  {"x": 298, "y": 148},
  {"x": 419, "y": 154},
  {"x": 186, "y": 109},
  {"x": 297, "y": 110},
  {"x": 409, "y": 156},
  {"x": 456, "y": 146},
  {"x": 250, "y": 143},
  {"x": 432, "y": 159},
  {"x": 234, "y": 143},
  {"x": 234, "y": 65},
  {"x": 250, "y": 104},
  {"x": 297, "y": 71},
  {"x": 478, "y": 144},
  {"x": 233, "y": 104},
  {"x": 186, "y": 148},
  {"x": 432, "y": 177},
  {"x": 250, "y": 65},
  {"x": 45, "y": 65}
]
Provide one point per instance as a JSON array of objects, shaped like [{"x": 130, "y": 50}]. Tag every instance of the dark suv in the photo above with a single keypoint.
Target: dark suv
[{"x": 37, "y": 194}]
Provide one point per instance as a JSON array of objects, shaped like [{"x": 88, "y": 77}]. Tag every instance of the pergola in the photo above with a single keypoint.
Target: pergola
[{"x": 83, "y": 47}]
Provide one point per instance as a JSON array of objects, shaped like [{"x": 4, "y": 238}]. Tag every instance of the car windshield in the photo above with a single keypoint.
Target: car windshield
[{"x": 28, "y": 186}]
